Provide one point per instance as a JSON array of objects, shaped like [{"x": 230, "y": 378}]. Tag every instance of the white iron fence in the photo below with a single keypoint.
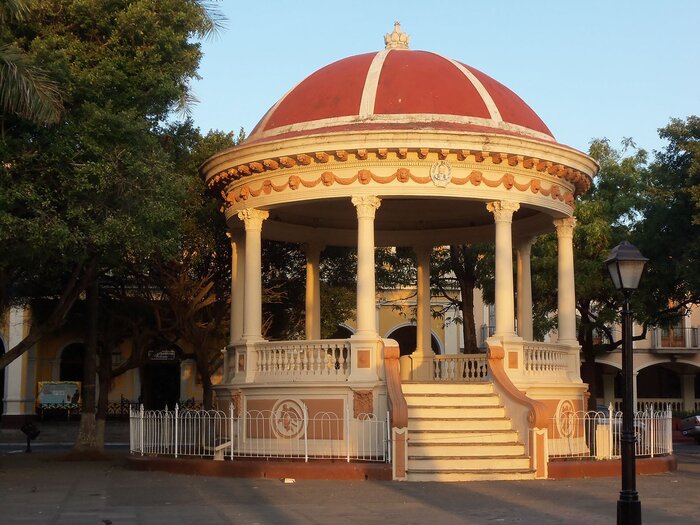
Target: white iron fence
[
  {"x": 597, "y": 435},
  {"x": 289, "y": 433}
]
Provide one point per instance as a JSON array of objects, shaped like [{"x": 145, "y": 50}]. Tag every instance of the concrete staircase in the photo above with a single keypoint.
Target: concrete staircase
[{"x": 460, "y": 432}]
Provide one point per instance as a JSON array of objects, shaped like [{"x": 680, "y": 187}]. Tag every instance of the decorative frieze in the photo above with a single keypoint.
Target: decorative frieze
[
  {"x": 456, "y": 157},
  {"x": 401, "y": 175}
]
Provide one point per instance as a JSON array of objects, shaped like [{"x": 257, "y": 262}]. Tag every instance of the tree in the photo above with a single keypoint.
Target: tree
[
  {"x": 97, "y": 193},
  {"x": 25, "y": 90},
  {"x": 457, "y": 271},
  {"x": 669, "y": 230}
]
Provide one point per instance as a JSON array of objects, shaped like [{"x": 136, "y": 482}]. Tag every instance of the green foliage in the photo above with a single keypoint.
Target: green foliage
[
  {"x": 100, "y": 183},
  {"x": 25, "y": 90},
  {"x": 669, "y": 233}
]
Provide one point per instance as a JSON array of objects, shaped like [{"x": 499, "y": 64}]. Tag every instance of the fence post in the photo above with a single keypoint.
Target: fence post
[
  {"x": 387, "y": 444},
  {"x": 611, "y": 416},
  {"x": 347, "y": 432},
  {"x": 306, "y": 432},
  {"x": 141, "y": 430},
  {"x": 230, "y": 411},
  {"x": 653, "y": 422},
  {"x": 177, "y": 418}
]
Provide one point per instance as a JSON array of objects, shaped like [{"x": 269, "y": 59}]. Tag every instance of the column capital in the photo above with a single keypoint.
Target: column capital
[
  {"x": 313, "y": 248},
  {"x": 565, "y": 227},
  {"x": 366, "y": 205},
  {"x": 502, "y": 210},
  {"x": 235, "y": 235},
  {"x": 525, "y": 244},
  {"x": 253, "y": 218},
  {"x": 423, "y": 248}
]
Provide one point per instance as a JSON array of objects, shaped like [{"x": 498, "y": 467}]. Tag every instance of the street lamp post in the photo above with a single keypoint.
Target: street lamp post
[{"x": 626, "y": 264}]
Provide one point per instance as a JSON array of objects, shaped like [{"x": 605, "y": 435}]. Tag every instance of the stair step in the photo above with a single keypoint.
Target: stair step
[
  {"x": 475, "y": 400},
  {"x": 464, "y": 450},
  {"x": 446, "y": 388},
  {"x": 463, "y": 436},
  {"x": 426, "y": 423},
  {"x": 455, "y": 412},
  {"x": 470, "y": 474},
  {"x": 461, "y": 462}
]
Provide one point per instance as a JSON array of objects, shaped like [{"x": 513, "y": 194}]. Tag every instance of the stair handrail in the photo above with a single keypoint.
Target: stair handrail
[
  {"x": 398, "y": 409},
  {"x": 537, "y": 411},
  {"x": 397, "y": 401}
]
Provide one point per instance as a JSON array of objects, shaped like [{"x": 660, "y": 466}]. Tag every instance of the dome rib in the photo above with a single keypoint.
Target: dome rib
[{"x": 395, "y": 88}]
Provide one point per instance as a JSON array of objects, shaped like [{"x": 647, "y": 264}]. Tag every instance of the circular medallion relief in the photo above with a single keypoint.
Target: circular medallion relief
[
  {"x": 441, "y": 173},
  {"x": 287, "y": 418},
  {"x": 565, "y": 418}
]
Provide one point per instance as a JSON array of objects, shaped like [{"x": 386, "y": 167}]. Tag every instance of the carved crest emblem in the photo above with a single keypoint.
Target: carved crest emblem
[
  {"x": 287, "y": 419},
  {"x": 441, "y": 173}
]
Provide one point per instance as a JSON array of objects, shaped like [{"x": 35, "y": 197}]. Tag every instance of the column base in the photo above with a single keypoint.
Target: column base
[{"x": 422, "y": 366}]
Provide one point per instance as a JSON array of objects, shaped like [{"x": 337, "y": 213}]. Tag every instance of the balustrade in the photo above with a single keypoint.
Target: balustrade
[
  {"x": 545, "y": 359},
  {"x": 468, "y": 368},
  {"x": 303, "y": 360}
]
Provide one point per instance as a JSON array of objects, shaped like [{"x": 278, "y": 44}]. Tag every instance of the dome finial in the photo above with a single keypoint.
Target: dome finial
[{"x": 396, "y": 39}]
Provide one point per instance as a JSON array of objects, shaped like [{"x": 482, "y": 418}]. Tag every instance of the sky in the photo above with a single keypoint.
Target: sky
[{"x": 590, "y": 69}]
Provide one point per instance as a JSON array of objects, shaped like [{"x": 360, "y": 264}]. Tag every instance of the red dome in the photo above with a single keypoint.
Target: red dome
[{"x": 398, "y": 89}]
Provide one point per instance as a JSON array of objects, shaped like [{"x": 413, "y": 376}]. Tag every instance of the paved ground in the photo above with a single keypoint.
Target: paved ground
[
  {"x": 41, "y": 488},
  {"x": 64, "y": 432}
]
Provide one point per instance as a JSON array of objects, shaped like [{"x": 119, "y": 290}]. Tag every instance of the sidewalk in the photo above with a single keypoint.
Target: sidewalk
[
  {"x": 64, "y": 433},
  {"x": 40, "y": 488}
]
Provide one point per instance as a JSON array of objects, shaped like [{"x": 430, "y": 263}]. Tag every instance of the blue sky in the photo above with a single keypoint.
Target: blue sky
[{"x": 590, "y": 69}]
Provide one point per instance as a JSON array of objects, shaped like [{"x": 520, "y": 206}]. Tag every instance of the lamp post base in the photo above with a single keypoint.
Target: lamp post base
[{"x": 629, "y": 511}]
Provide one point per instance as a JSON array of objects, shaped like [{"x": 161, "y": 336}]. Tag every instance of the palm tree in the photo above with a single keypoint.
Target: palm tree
[{"x": 25, "y": 90}]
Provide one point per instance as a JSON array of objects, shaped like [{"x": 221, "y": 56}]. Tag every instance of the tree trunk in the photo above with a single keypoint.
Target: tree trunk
[
  {"x": 201, "y": 357},
  {"x": 105, "y": 375},
  {"x": 468, "y": 323},
  {"x": 463, "y": 260},
  {"x": 87, "y": 434},
  {"x": 207, "y": 392}
]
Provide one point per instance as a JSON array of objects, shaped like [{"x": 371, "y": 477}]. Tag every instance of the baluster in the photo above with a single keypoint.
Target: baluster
[
  {"x": 294, "y": 361},
  {"x": 313, "y": 358},
  {"x": 335, "y": 361},
  {"x": 305, "y": 360},
  {"x": 344, "y": 357}
]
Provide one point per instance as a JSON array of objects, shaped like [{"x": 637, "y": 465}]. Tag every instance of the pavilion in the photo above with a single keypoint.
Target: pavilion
[{"x": 406, "y": 148}]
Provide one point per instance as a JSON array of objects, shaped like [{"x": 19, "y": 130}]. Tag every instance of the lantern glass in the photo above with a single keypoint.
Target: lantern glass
[{"x": 625, "y": 265}]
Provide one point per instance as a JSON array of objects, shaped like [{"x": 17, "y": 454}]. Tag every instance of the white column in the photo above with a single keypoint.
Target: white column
[
  {"x": 423, "y": 317},
  {"x": 252, "y": 314},
  {"x": 366, "y": 206},
  {"x": 313, "y": 291},
  {"x": 237, "y": 280},
  {"x": 524, "y": 290},
  {"x": 566, "y": 284},
  {"x": 505, "y": 304},
  {"x": 15, "y": 372}
]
